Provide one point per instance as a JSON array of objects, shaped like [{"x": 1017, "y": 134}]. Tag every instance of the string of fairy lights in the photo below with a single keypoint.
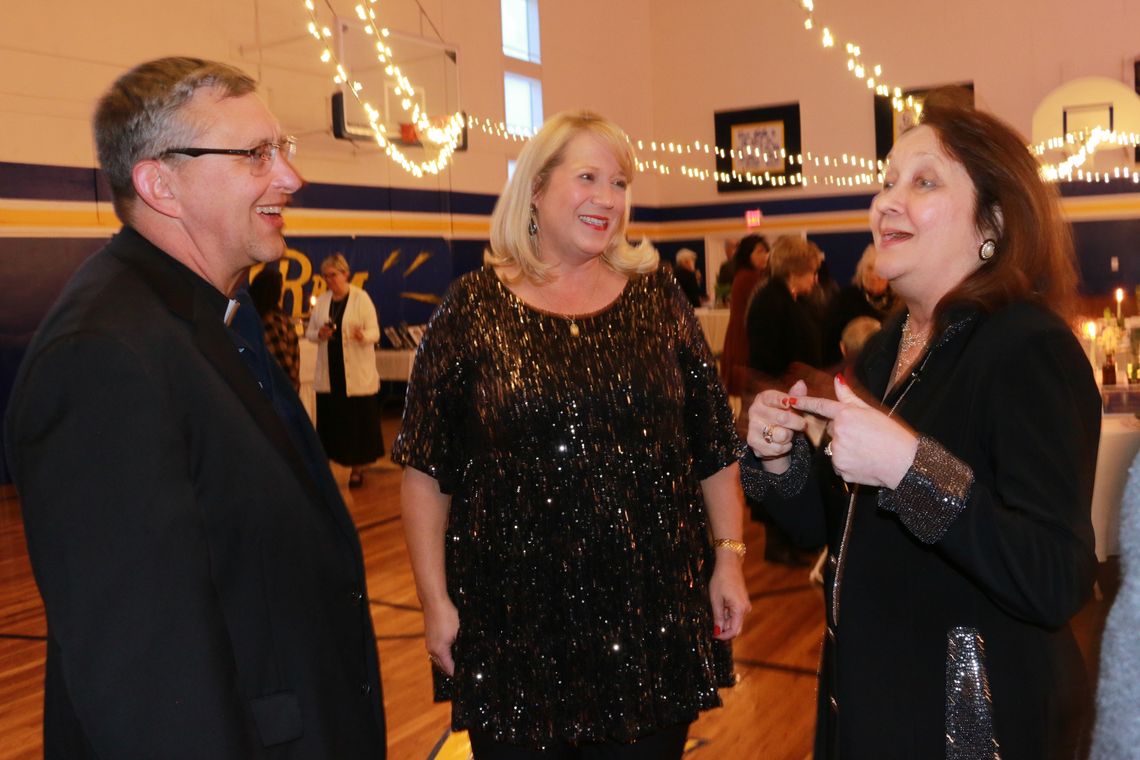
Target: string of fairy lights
[
  {"x": 870, "y": 75},
  {"x": 445, "y": 137},
  {"x": 847, "y": 170},
  {"x": 1083, "y": 145}
]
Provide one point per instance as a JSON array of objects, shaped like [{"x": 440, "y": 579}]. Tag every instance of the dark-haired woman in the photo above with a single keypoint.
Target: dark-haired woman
[
  {"x": 750, "y": 263},
  {"x": 280, "y": 334},
  {"x": 959, "y": 521}
]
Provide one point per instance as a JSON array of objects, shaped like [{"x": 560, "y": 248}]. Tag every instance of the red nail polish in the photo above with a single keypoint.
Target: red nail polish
[
  {"x": 716, "y": 630},
  {"x": 792, "y": 401},
  {"x": 841, "y": 379}
]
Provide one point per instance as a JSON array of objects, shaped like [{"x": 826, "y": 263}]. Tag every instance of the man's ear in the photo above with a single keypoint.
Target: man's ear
[{"x": 152, "y": 182}]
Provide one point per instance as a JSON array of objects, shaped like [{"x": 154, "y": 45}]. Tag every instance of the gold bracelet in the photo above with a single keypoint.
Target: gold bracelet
[{"x": 736, "y": 547}]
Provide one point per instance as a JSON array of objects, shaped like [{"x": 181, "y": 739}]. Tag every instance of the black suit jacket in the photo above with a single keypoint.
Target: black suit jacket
[
  {"x": 780, "y": 331},
  {"x": 1011, "y": 394},
  {"x": 202, "y": 578}
]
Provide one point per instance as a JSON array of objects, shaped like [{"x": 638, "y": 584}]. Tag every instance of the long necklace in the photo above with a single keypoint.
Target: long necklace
[
  {"x": 849, "y": 521},
  {"x": 909, "y": 339},
  {"x": 907, "y": 345}
]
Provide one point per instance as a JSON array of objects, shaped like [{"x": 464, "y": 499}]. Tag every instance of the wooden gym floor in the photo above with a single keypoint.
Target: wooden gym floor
[{"x": 769, "y": 714}]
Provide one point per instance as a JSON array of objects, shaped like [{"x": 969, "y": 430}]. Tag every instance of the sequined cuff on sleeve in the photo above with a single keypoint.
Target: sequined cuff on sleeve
[
  {"x": 932, "y": 494},
  {"x": 758, "y": 482}
]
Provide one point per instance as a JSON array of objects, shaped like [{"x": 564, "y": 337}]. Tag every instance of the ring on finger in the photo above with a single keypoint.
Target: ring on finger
[{"x": 766, "y": 434}]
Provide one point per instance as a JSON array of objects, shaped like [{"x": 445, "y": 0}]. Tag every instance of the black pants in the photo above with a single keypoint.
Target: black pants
[{"x": 666, "y": 744}]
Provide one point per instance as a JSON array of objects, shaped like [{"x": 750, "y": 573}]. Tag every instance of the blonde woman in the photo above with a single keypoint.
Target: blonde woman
[
  {"x": 344, "y": 325},
  {"x": 868, "y": 295},
  {"x": 571, "y": 502}
]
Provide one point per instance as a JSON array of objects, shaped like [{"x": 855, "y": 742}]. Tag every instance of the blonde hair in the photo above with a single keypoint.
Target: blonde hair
[
  {"x": 792, "y": 255},
  {"x": 856, "y": 334},
  {"x": 686, "y": 255},
  {"x": 511, "y": 241},
  {"x": 335, "y": 261}
]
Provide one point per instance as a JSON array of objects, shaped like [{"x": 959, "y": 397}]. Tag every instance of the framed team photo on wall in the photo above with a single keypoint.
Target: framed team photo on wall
[{"x": 759, "y": 144}]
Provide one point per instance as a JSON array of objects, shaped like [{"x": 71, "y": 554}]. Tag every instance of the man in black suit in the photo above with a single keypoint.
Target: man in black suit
[{"x": 202, "y": 578}]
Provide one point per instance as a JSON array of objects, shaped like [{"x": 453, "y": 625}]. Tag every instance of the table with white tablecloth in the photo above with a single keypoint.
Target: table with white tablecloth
[
  {"x": 714, "y": 322},
  {"x": 393, "y": 365},
  {"x": 1119, "y": 444}
]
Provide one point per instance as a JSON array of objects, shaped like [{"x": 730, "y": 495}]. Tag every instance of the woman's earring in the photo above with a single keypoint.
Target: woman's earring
[
  {"x": 533, "y": 227},
  {"x": 987, "y": 249}
]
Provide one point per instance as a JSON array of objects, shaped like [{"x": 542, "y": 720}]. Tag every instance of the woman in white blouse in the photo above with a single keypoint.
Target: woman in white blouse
[{"x": 344, "y": 325}]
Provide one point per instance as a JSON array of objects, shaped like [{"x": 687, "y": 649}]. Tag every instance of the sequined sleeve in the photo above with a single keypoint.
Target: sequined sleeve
[
  {"x": 758, "y": 482},
  {"x": 933, "y": 492},
  {"x": 433, "y": 409},
  {"x": 713, "y": 440}
]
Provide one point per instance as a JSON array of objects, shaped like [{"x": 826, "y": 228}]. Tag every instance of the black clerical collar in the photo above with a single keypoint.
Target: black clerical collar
[{"x": 180, "y": 281}]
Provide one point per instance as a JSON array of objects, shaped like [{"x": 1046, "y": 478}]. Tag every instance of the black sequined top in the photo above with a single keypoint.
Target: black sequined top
[{"x": 577, "y": 550}]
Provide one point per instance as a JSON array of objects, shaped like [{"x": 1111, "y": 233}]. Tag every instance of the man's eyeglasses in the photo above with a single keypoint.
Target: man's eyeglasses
[{"x": 261, "y": 157}]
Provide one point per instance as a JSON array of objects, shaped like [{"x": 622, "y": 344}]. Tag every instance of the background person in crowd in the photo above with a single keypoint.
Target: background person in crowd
[
  {"x": 855, "y": 335},
  {"x": 750, "y": 264},
  {"x": 819, "y": 299},
  {"x": 1117, "y": 732},
  {"x": 868, "y": 295},
  {"x": 280, "y": 335},
  {"x": 780, "y": 328},
  {"x": 725, "y": 273},
  {"x": 343, "y": 323},
  {"x": 783, "y": 345},
  {"x": 688, "y": 277},
  {"x": 965, "y": 544},
  {"x": 194, "y": 554},
  {"x": 571, "y": 502}
]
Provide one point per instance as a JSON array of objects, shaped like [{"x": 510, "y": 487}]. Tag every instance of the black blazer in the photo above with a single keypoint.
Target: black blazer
[
  {"x": 202, "y": 578},
  {"x": 780, "y": 331},
  {"x": 1012, "y": 395}
]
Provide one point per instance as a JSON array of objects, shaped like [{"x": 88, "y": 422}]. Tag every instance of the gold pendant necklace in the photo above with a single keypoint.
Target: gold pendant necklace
[{"x": 573, "y": 327}]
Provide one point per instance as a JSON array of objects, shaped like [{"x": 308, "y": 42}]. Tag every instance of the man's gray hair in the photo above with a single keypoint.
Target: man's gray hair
[{"x": 139, "y": 117}]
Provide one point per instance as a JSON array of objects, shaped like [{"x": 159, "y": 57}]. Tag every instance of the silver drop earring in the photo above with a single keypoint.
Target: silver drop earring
[
  {"x": 532, "y": 228},
  {"x": 987, "y": 249}
]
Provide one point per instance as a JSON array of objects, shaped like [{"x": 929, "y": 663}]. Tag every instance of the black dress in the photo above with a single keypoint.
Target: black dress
[
  {"x": 950, "y": 609},
  {"x": 577, "y": 548},
  {"x": 780, "y": 331},
  {"x": 349, "y": 426}
]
